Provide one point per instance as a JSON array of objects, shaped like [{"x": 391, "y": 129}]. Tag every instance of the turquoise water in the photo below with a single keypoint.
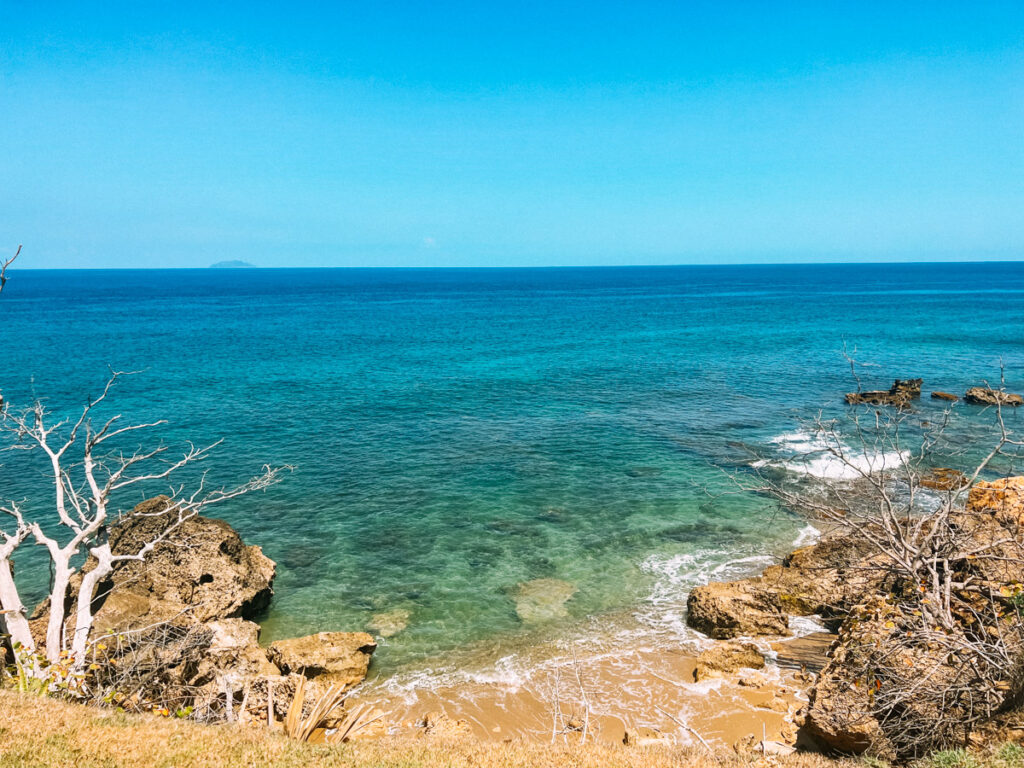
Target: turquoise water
[{"x": 455, "y": 433}]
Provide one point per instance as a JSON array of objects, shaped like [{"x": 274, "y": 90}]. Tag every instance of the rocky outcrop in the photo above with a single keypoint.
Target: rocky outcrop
[
  {"x": 838, "y": 712},
  {"x": 989, "y": 396},
  {"x": 826, "y": 578},
  {"x": 724, "y": 610},
  {"x": 899, "y": 394},
  {"x": 1001, "y": 499},
  {"x": 936, "y": 695},
  {"x": 947, "y": 396},
  {"x": 725, "y": 658},
  {"x": 336, "y": 658},
  {"x": 202, "y": 572}
]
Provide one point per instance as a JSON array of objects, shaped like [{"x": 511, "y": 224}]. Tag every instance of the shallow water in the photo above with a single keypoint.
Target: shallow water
[{"x": 456, "y": 433}]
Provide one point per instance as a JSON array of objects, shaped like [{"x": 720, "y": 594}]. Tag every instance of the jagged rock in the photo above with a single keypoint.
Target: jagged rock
[
  {"x": 543, "y": 599},
  {"x": 1003, "y": 499},
  {"x": 989, "y": 396},
  {"x": 235, "y": 648},
  {"x": 838, "y": 711},
  {"x": 873, "y": 657},
  {"x": 201, "y": 572},
  {"x": 724, "y": 610},
  {"x": 339, "y": 658},
  {"x": 899, "y": 394},
  {"x": 725, "y": 658},
  {"x": 945, "y": 396}
]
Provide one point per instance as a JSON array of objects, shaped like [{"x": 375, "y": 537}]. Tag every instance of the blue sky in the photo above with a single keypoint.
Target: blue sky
[{"x": 482, "y": 134}]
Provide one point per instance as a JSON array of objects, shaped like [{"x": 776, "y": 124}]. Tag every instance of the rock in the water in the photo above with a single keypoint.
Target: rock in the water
[
  {"x": 543, "y": 599},
  {"x": 390, "y": 623},
  {"x": 944, "y": 479},
  {"x": 724, "y": 610},
  {"x": 725, "y": 658},
  {"x": 989, "y": 396},
  {"x": 899, "y": 394},
  {"x": 203, "y": 570},
  {"x": 948, "y": 396},
  {"x": 340, "y": 658}
]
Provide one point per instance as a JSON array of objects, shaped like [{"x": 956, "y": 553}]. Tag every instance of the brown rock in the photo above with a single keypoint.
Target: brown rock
[
  {"x": 944, "y": 396},
  {"x": 201, "y": 572},
  {"x": 725, "y": 658},
  {"x": 944, "y": 479},
  {"x": 235, "y": 646},
  {"x": 439, "y": 724},
  {"x": 340, "y": 658},
  {"x": 1003, "y": 499},
  {"x": 736, "y": 608},
  {"x": 989, "y": 396},
  {"x": 899, "y": 394}
]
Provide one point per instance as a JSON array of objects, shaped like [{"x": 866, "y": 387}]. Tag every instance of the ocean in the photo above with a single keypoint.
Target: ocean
[{"x": 457, "y": 433}]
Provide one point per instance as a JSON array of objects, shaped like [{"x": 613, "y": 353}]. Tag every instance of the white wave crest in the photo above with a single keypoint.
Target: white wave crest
[{"x": 828, "y": 458}]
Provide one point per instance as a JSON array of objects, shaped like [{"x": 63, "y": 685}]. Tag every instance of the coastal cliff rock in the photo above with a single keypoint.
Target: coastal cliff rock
[
  {"x": 338, "y": 658},
  {"x": 927, "y": 683},
  {"x": 726, "y": 658},
  {"x": 838, "y": 712},
  {"x": 826, "y": 578},
  {"x": 899, "y": 394},
  {"x": 989, "y": 396},
  {"x": 202, "y": 572},
  {"x": 724, "y": 610}
]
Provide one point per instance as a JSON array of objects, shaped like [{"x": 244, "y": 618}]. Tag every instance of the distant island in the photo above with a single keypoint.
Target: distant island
[{"x": 232, "y": 264}]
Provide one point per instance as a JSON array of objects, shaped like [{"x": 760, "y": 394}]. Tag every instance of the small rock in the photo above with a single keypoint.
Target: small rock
[
  {"x": 441, "y": 725},
  {"x": 944, "y": 396},
  {"x": 390, "y": 623},
  {"x": 944, "y": 479},
  {"x": 753, "y": 680},
  {"x": 340, "y": 658},
  {"x": 989, "y": 396},
  {"x": 724, "y": 658},
  {"x": 725, "y": 610},
  {"x": 543, "y": 599}
]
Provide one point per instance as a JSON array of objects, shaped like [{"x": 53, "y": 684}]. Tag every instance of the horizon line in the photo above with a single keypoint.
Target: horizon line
[{"x": 255, "y": 267}]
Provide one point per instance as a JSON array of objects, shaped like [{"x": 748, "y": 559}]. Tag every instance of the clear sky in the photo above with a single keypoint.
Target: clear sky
[{"x": 479, "y": 133}]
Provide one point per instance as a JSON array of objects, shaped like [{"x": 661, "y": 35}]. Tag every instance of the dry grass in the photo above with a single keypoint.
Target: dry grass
[{"x": 43, "y": 733}]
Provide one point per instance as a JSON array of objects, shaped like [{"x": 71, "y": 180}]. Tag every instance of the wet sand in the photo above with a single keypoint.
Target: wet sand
[{"x": 649, "y": 691}]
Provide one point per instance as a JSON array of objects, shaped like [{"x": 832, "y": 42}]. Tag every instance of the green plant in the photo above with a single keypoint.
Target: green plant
[
  {"x": 952, "y": 758},
  {"x": 1011, "y": 755}
]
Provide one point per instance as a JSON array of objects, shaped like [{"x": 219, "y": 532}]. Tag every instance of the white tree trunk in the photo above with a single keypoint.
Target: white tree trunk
[
  {"x": 83, "y": 613},
  {"x": 55, "y": 625},
  {"x": 15, "y": 620}
]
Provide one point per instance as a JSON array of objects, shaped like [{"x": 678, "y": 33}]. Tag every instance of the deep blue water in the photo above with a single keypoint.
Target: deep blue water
[{"x": 455, "y": 433}]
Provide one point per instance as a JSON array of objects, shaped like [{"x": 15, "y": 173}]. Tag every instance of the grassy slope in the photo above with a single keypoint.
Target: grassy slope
[{"x": 44, "y": 733}]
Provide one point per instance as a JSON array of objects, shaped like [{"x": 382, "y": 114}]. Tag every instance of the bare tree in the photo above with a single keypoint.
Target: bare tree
[
  {"x": 3, "y": 268},
  {"x": 940, "y": 645},
  {"x": 92, "y": 473}
]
